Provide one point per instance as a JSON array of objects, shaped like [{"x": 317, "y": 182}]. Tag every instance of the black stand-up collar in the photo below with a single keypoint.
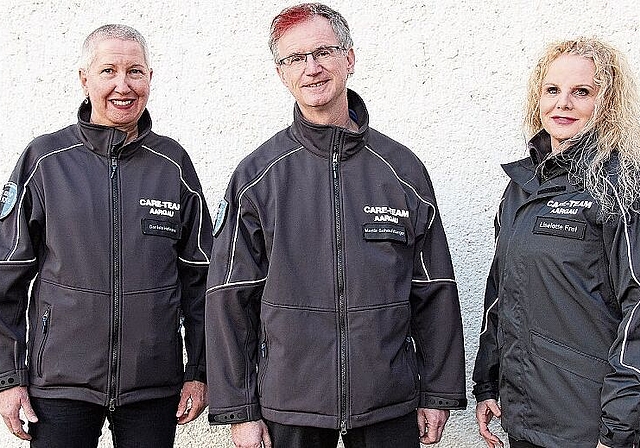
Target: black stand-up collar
[
  {"x": 109, "y": 141},
  {"x": 320, "y": 139}
]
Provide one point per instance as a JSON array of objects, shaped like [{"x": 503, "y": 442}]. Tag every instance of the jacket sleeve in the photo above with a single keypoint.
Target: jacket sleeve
[
  {"x": 193, "y": 263},
  {"x": 234, "y": 288},
  {"x": 621, "y": 388},
  {"x": 435, "y": 313},
  {"x": 20, "y": 232},
  {"x": 487, "y": 364}
]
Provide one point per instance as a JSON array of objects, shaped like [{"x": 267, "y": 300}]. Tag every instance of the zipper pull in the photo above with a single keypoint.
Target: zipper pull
[
  {"x": 263, "y": 349},
  {"x": 45, "y": 321},
  {"x": 112, "y": 405},
  {"x": 343, "y": 427},
  {"x": 114, "y": 166}
]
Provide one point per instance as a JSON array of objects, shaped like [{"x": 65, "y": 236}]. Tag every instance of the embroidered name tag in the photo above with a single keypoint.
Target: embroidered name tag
[
  {"x": 161, "y": 228},
  {"x": 566, "y": 228},
  {"x": 384, "y": 232}
]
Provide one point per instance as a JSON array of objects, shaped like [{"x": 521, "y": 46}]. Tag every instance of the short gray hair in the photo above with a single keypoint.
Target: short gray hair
[
  {"x": 295, "y": 15},
  {"x": 110, "y": 31}
]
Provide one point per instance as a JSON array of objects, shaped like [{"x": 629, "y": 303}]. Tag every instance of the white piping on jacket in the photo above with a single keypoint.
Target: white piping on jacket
[
  {"x": 193, "y": 191},
  {"x": 242, "y": 192},
  {"x": 24, "y": 191}
]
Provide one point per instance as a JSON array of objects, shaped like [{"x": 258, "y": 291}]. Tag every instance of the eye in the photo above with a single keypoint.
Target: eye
[
  {"x": 107, "y": 71},
  {"x": 551, "y": 90},
  {"x": 582, "y": 92},
  {"x": 322, "y": 53},
  {"x": 297, "y": 58}
]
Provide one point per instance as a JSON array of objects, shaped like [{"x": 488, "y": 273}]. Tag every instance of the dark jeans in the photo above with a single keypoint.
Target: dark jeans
[
  {"x": 513, "y": 443},
  {"x": 400, "y": 432},
  {"x": 78, "y": 424}
]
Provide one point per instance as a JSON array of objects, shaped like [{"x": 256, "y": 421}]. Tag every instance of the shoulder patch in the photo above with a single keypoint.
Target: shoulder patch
[
  {"x": 8, "y": 199},
  {"x": 221, "y": 217}
]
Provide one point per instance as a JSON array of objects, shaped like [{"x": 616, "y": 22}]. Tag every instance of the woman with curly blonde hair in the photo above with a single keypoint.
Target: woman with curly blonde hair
[{"x": 560, "y": 339}]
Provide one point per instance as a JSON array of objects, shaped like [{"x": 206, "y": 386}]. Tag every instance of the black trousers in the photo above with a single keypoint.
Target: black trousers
[
  {"x": 78, "y": 424},
  {"x": 513, "y": 443},
  {"x": 401, "y": 432}
]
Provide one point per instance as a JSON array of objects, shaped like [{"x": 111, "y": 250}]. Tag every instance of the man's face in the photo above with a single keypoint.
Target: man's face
[{"x": 320, "y": 88}]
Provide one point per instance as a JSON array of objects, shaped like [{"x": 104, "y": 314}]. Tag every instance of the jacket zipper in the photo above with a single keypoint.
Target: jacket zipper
[
  {"x": 342, "y": 315},
  {"x": 115, "y": 323},
  {"x": 45, "y": 334}
]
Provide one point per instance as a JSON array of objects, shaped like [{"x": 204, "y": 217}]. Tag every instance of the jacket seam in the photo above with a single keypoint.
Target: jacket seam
[
  {"x": 24, "y": 192},
  {"x": 246, "y": 188}
]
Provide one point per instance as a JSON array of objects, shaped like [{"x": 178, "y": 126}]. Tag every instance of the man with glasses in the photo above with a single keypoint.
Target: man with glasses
[{"x": 331, "y": 304}]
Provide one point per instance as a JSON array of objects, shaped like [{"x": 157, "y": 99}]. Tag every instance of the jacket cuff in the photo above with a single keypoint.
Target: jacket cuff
[
  {"x": 13, "y": 379},
  {"x": 243, "y": 414},
  {"x": 619, "y": 439},
  {"x": 486, "y": 391},
  {"x": 195, "y": 373},
  {"x": 440, "y": 402}
]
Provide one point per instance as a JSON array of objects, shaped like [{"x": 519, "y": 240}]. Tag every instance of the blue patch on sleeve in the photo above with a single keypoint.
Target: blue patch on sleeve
[
  {"x": 221, "y": 217},
  {"x": 8, "y": 199}
]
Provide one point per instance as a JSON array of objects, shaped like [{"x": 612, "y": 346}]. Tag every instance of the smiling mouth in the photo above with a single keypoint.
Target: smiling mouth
[
  {"x": 564, "y": 120},
  {"x": 317, "y": 84},
  {"x": 122, "y": 103}
]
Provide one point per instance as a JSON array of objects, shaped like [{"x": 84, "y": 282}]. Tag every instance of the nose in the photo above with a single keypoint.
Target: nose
[
  {"x": 122, "y": 84},
  {"x": 564, "y": 101},
  {"x": 311, "y": 66}
]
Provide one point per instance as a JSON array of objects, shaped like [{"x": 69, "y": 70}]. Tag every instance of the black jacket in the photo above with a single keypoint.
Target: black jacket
[
  {"x": 331, "y": 266},
  {"x": 561, "y": 321},
  {"x": 119, "y": 237}
]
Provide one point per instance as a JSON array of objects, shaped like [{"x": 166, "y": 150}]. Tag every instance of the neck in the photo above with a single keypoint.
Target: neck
[{"x": 340, "y": 118}]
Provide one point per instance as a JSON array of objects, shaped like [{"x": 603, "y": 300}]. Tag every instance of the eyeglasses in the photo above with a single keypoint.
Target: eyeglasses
[{"x": 320, "y": 55}]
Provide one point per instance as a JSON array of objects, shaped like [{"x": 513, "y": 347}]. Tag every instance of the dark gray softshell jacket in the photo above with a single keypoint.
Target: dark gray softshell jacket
[
  {"x": 118, "y": 239},
  {"x": 560, "y": 340},
  {"x": 331, "y": 299}
]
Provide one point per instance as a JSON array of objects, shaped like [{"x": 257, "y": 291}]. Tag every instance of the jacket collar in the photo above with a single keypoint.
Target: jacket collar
[
  {"x": 109, "y": 141},
  {"x": 320, "y": 139}
]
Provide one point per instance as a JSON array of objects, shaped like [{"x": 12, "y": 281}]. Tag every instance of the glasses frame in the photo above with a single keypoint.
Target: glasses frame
[{"x": 282, "y": 62}]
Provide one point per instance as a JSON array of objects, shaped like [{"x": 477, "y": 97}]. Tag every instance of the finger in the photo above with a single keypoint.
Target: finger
[
  {"x": 422, "y": 425},
  {"x": 182, "y": 406},
  {"x": 266, "y": 439},
  {"x": 493, "y": 407},
  {"x": 29, "y": 413},
  {"x": 430, "y": 436}
]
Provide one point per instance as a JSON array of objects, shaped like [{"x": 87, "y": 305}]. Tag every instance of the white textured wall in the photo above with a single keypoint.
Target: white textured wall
[{"x": 446, "y": 78}]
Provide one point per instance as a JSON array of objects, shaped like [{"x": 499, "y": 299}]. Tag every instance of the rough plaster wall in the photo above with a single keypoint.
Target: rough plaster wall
[{"x": 445, "y": 78}]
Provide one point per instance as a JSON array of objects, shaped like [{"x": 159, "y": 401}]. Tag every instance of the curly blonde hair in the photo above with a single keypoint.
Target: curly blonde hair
[{"x": 612, "y": 130}]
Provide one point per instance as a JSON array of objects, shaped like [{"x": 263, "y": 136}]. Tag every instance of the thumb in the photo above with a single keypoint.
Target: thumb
[
  {"x": 29, "y": 413},
  {"x": 182, "y": 406}
]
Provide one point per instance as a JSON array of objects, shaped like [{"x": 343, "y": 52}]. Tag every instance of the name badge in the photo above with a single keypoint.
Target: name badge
[
  {"x": 565, "y": 228},
  {"x": 384, "y": 232}
]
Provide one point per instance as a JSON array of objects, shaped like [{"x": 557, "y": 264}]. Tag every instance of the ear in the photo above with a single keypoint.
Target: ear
[
  {"x": 282, "y": 75},
  {"x": 83, "y": 81},
  {"x": 150, "y": 74},
  {"x": 351, "y": 61}
]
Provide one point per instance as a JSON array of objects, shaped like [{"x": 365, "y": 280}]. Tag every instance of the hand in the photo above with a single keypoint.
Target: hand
[
  {"x": 11, "y": 400},
  {"x": 250, "y": 435},
  {"x": 485, "y": 411},
  {"x": 193, "y": 400},
  {"x": 431, "y": 424}
]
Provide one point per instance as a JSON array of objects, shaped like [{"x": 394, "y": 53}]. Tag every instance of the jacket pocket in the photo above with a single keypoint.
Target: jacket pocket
[
  {"x": 46, "y": 322},
  {"x": 570, "y": 359}
]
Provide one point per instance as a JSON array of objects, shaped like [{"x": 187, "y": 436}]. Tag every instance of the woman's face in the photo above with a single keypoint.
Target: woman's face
[
  {"x": 568, "y": 97},
  {"x": 118, "y": 83}
]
